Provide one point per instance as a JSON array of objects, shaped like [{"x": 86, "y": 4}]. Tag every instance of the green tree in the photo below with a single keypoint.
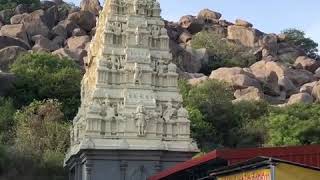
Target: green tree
[
  {"x": 221, "y": 52},
  {"x": 252, "y": 131},
  {"x": 44, "y": 76},
  {"x": 3, "y": 158},
  {"x": 43, "y": 135},
  {"x": 217, "y": 122},
  {"x": 298, "y": 38},
  {"x": 209, "y": 107},
  {"x": 294, "y": 125},
  {"x": 7, "y": 111},
  {"x": 42, "y": 127},
  {"x": 9, "y": 4}
]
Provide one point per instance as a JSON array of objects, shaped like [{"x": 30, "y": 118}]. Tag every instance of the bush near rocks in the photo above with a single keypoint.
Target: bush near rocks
[
  {"x": 5, "y": 15},
  {"x": 221, "y": 53},
  {"x": 298, "y": 38},
  {"x": 42, "y": 138},
  {"x": 7, "y": 122},
  {"x": 41, "y": 76},
  {"x": 216, "y": 121},
  {"x": 7, "y": 81},
  {"x": 293, "y": 125},
  {"x": 9, "y": 4}
]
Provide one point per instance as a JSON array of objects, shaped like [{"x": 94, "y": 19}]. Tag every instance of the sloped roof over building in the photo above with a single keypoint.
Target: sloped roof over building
[{"x": 307, "y": 155}]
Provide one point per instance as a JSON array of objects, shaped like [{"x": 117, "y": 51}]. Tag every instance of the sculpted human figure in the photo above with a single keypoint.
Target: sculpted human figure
[
  {"x": 113, "y": 60},
  {"x": 137, "y": 33},
  {"x": 172, "y": 68},
  {"x": 137, "y": 74},
  {"x": 168, "y": 113},
  {"x": 155, "y": 31},
  {"x": 183, "y": 113},
  {"x": 72, "y": 134},
  {"x": 136, "y": 6},
  {"x": 140, "y": 118},
  {"x": 95, "y": 106},
  {"x": 164, "y": 31},
  {"x": 160, "y": 68}
]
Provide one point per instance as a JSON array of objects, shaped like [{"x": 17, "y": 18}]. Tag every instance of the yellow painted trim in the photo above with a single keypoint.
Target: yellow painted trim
[
  {"x": 291, "y": 172},
  {"x": 260, "y": 174}
]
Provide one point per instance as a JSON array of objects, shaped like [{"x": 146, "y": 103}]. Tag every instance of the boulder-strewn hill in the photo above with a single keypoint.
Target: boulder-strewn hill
[
  {"x": 56, "y": 27},
  {"x": 271, "y": 78},
  {"x": 65, "y": 30}
]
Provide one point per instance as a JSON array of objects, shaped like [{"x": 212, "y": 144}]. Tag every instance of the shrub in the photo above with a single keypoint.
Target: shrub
[
  {"x": 42, "y": 138},
  {"x": 10, "y": 4},
  {"x": 44, "y": 76},
  {"x": 252, "y": 131},
  {"x": 209, "y": 107},
  {"x": 221, "y": 52},
  {"x": 298, "y": 38},
  {"x": 217, "y": 122},
  {"x": 7, "y": 123},
  {"x": 41, "y": 127},
  {"x": 294, "y": 125}
]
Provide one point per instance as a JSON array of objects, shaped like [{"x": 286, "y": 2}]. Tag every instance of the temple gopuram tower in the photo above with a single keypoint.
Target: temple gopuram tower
[{"x": 131, "y": 123}]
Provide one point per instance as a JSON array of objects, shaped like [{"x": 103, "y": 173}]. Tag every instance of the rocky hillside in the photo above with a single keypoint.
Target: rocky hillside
[
  {"x": 271, "y": 78},
  {"x": 65, "y": 30},
  {"x": 55, "y": 27}
]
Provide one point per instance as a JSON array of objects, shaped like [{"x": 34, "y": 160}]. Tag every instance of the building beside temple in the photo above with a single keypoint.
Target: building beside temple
[
  {"x": 131, "y": 123},
  {"x": 266, "y": 168},
  {"x": 202, "y": 167}
]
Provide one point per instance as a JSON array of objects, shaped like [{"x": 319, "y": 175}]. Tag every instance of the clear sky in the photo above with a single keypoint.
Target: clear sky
[{"x": 270, "y": 16}]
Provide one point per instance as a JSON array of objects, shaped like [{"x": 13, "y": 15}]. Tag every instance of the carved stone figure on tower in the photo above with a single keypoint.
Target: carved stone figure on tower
[
  {"x": 172, "y": 68},
  {"x": 137, "y": 74},
  {"x": 168, "y": 112},
  {"x": 138, "y": 38},
  {"x": 113, "y": 60},
  {"x": 140, "y": 117}
]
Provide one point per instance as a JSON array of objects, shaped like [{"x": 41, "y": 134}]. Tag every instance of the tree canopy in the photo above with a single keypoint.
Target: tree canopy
[
  {"x": 221, "y": 52},
  {"x": 298, "y": 38},
  {"x": 216, "y": 121},
  {"x": 44, "y": 76},
  {"x": 9, "y": 4},
  {"x": 294, "y": 125}
]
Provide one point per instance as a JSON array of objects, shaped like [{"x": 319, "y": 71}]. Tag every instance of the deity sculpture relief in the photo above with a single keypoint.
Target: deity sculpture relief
[
  {"x": 138, "y": 37},
  {"x": 172, "y": 68},
  {"x": 183, "y": 113},
  {"x": 140, "y": 118},
  {"x": 168, "y": 113},
  {"x": 113, "y": 60},
  {"x": 137, "y": 74},
  {"x": 95, "y": 106}
]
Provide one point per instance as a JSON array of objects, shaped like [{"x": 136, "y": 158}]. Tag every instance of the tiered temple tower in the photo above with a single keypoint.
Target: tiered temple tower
[{"x": 131, "y": 122}]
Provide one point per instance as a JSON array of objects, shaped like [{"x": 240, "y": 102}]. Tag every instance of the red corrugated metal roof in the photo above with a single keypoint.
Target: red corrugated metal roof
[{"x": 308, "y": 155}]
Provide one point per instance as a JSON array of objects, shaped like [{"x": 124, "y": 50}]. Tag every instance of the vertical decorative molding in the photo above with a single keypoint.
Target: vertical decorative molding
[
  {"x": 123, "y": 170},
  {"x": 88, "y": 168}
]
